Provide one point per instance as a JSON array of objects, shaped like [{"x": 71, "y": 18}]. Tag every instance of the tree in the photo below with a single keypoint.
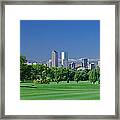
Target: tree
[
  {"x": 57, "y": 75},
  {"x": 78, "y": 76},
  {"x": 22, "y": 60},
  {"x": 98, "y": 74},
  {"x": 71, "y": 74},
  {"x": 67, "y": 75},
  {"x": 41, "y": 69},
  {"x": 51, "y": 74},
  {"x": 30, "y": 72},
  {"x": 23, "y": 68},
  {"x": 92, "y": 76},
  {"x": 36, "y": 72},
  {"x": 84, "y": 75}
]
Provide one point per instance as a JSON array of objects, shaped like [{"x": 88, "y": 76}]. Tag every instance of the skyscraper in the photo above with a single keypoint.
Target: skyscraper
[
  {"x": 85, "y": 63},
  {"x": 92, "y": 66},
  {"x": 64, "y": 59},
  {"x": 54, "y": 59}
]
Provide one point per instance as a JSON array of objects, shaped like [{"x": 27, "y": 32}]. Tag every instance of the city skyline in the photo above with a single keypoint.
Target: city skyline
[
  {"x": 60, "y": 55},
  {"x": 81, "y": 38},
  {"x": 64, "y": 61}
]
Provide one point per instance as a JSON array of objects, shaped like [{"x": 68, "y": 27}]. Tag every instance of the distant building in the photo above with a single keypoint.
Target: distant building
[
  {"x": 77, "y": 65},
  {"x": 54, "y": 59},
  {"x": 34, "y": 63},
  {"x": 84, "y": 63},
  {"x": 92, "y": 66},
  {"x": 29, "y": 63},
  {"x": 49, "y": 63},
  {"x": 64, "y": 59},
  {"x": 95, "y": 62},
  {"x": 98, "y": 63},
  {"x": 72, "y": 65},
  {"x": 59, "y": 63}
]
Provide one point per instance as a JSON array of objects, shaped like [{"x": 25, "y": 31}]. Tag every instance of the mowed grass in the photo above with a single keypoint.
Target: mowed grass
[{"x": 61, "y": 91}]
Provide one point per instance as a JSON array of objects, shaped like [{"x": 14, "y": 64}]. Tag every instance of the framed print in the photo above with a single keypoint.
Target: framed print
[{"x": 59, "y": 59}]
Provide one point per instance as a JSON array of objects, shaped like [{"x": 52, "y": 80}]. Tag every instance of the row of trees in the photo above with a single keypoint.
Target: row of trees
[{"x": 42, "y": 74}]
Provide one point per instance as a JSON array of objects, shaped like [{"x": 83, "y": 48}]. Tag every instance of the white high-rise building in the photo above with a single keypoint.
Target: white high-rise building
[
  {"x": 54, "y": 59},
  {"x": 64, "y": 59}
]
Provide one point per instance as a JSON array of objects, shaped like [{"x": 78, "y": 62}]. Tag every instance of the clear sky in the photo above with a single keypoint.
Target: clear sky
[{"x": 80, "y": 38}]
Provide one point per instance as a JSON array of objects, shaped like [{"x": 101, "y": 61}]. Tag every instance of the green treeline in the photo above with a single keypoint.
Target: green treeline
[{"x": 42, "y": 74}]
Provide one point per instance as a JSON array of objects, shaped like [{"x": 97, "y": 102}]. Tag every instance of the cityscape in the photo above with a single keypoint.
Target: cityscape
[{"x": 62, "y": 60}]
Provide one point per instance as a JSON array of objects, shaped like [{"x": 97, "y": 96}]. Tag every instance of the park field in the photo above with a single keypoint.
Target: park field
[{"x": 61, "y": 91}]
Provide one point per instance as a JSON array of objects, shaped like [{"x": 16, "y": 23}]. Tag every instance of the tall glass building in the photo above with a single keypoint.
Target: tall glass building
[
  {"x": 54, "y": 59},
  {"x": 64, "y": 59}
]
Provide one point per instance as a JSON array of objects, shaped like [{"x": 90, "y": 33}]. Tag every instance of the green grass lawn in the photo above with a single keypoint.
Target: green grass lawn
[{"x": 61, "y": 91}]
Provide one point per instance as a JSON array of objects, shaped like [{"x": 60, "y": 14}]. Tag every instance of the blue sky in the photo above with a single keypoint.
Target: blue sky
[{"x": 80, "y": 38}]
